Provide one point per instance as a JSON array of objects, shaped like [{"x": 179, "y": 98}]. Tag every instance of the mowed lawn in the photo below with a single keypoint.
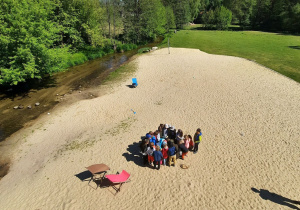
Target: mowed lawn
[{"x": 278, "y": 52}]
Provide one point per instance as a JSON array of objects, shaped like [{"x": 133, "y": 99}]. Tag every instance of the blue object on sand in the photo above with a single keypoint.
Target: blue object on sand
[
  {"x": 134, "y": 82},
  {"x": 133, "y": 111}
]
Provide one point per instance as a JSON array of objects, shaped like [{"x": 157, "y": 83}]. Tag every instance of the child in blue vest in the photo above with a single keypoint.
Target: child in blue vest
[{"x": 197, "y": 140}]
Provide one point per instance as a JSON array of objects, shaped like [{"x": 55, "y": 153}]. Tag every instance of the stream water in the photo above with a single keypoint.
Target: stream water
[{"x": 50, "y": 91}]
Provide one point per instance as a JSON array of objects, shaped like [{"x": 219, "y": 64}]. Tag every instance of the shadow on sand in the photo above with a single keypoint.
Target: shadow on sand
[
  {"x": 266, "y": 195},
  {"x": 134, "y": 154},
  {"x": 131, "y": 86},
  {"x": 87, "y": 176}
]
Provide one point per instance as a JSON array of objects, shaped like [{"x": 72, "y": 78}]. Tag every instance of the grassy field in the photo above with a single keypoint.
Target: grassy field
[{"x": 276, "y": 51}]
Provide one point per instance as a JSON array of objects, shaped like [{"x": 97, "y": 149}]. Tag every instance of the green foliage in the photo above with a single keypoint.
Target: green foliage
[
  {"x": 143, "y": 20},
  {"x": 26, "y": 35},
  {"x": 220, "y": 17},
  {"x": 291, "y": 18},
  {"x": 143, "y": 50},
  {"x": 152, "y": 19},
  {"x": 182, "y": 12},
  {"x": 37, "y": 36},
  {"x": 269, "y": 15},
  {"x": 81, "y": 22},
  {"x": 170, "y": 18},
  {"x": 195, "y": 6},
  {"x": 223, "y": 18},
  {"x": 125, "y": 47},
  {"x": 209, "y": 19},
  {"x": 241, "y": 11}
]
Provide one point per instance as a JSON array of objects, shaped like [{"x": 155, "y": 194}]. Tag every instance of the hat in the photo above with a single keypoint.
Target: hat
[
  {"x": 172, "y": 128},
  {"x": 166, "y": 125},
  {"x": 148, "y": 136}
]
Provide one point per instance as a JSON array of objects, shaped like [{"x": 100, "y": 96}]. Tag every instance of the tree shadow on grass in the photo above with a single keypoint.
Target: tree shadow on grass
[
  {"x": 266, "y": 195},
  {"x": 295, "y": 47}
]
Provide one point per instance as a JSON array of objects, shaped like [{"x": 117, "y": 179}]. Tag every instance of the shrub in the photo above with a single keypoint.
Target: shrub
[
  {"x": 143, "y": 50},
  {"x": 223, "y": 17},
  {"x": 209, "y": 19},
  {"x": 125, "y": 47}
]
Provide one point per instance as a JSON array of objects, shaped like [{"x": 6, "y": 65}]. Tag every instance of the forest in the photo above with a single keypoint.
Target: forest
[{"x": 41, "y": 37}]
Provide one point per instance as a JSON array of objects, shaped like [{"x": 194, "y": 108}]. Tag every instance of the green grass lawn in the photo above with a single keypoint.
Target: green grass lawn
[{"x": 278, "y": 52}]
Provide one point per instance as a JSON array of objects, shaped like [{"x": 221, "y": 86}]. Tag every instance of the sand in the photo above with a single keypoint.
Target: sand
[{"x": 249, "y": 116}]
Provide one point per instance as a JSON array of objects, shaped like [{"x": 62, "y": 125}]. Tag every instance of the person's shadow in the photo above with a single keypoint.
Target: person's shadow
[
  {"x": 134, "y": 154},
  {"x": 266, "y": 195}
]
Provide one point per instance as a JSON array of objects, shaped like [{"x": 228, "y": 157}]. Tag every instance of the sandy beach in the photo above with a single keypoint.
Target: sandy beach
[{"x": 249, "y": 116}]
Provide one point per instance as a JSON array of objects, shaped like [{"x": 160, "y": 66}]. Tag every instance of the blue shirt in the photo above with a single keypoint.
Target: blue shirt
[
  {"x": 153, "y": 139},
  {"x": 198, "y": 138},
  {"x": 172, "y": 151},
  {"x": 157, "y": 155}
]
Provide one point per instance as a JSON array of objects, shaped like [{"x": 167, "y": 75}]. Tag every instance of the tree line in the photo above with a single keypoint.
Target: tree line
[
  {"x": 269, "y": 15},
  {"x": 40, "y": 37}
]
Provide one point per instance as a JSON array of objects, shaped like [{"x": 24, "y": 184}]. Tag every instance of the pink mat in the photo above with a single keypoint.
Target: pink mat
[{"x": 116, "y": 178}]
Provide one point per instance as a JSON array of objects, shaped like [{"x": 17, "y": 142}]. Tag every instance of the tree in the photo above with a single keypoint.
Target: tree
[
  {"x": 153, "y": 19},
  {"x": 81, "y": 21},
  {"x": 182, "y": 12},
  {"x": 209, "y": 19},
  {"x": 170, "y": 18},
  {"x": 195, "y": 6},
  {"x": 223, "y": 17},
  {"x": 291, "y": 18},
  {"x": 241, "y": 10},
  {"x": 36, "y": 36},
  {"x": 131, "y": 21},
  {"x": 27, "y": 36}
]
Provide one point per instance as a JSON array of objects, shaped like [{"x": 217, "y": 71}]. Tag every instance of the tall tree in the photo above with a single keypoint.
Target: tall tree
[
  {"x": 170, "y": 18},
  {"x": 152, "y": 19},
  {"x": 131, "y": 17},
  {"x": 27, "y": 35}
]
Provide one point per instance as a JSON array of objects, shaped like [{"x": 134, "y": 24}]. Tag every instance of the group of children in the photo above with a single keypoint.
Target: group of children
[{"x": 166, "y": 145}]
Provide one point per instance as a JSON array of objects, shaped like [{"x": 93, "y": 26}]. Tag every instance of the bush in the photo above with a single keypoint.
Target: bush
[
  {"x": 220, "y": 17},
  {"x": 77, "y": 58},
  {"x": 223, "y": 17},
  {"x": 143, "y": 50},
  {"x": 209, "y": 19},
  {"x": 125, "y": 47}
]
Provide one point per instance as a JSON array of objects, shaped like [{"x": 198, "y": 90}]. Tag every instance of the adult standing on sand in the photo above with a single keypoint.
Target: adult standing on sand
[{"x": 197, "y": 139}]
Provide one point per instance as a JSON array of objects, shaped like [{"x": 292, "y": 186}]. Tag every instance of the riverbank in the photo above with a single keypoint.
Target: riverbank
[{"x": 248, "y": 115}]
